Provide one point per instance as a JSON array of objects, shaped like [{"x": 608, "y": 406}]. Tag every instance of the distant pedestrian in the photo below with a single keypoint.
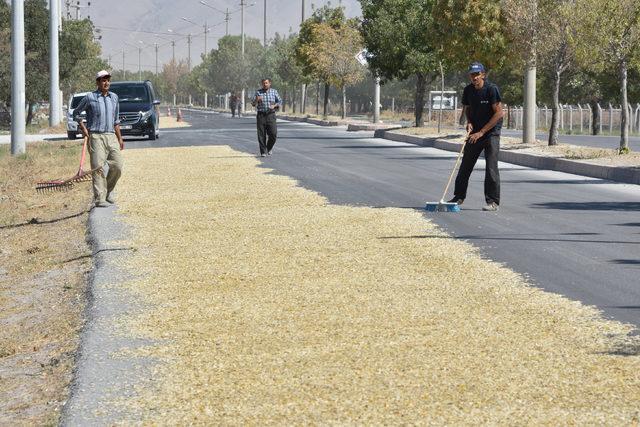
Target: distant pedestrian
[
  {"x": 267, "y": 101},
  {"x": 239, "y": 106},
  {"x": 105, "y": 139},
  {"x": 233, "y": 103},
  {"x": 483, "y": 109}
]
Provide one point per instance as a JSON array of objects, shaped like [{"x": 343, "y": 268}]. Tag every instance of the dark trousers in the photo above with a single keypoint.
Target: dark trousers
[
  {"x": 266, "y": 128},
  {"x": 491, "y": 146},
  {"x": 233, "y": 110}
]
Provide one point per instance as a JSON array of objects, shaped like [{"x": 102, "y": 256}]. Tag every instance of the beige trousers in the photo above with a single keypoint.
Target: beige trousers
[{"x": 104, "y": 147}]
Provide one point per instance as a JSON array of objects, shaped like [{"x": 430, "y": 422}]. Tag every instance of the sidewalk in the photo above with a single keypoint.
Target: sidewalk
[{"x": 6, "y": 139}]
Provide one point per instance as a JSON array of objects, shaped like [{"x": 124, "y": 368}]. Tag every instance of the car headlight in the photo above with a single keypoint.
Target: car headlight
[{"x": 144, "y": 115}]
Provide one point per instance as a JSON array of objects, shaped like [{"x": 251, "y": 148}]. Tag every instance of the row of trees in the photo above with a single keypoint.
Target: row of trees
[
  {"x": 79, "y": 54},
  {"x": 584, "y": 51}
]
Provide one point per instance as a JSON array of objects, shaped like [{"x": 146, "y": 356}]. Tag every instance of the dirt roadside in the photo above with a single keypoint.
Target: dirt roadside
[{"x": 45, "y": 261}]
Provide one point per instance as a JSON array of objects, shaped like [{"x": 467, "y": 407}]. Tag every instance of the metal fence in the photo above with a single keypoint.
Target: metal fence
[
  {"x": 576, "y": 118},
  {"x": 571, "y": 118}
]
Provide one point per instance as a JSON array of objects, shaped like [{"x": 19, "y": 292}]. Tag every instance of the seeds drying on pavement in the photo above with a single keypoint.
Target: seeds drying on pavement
[{"x": 271, "y": 306}]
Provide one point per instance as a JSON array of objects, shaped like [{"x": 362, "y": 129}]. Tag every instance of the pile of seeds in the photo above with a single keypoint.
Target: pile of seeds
[{"x": 271, "y": 306}]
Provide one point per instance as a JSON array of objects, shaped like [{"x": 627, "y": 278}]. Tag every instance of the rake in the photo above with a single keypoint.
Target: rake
[{"x": 67, "y": 184}]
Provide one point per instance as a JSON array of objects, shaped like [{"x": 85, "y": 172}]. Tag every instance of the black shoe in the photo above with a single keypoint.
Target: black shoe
[
  {"x": 456, "y": 200},
  {"x": 269, "y": 153}
]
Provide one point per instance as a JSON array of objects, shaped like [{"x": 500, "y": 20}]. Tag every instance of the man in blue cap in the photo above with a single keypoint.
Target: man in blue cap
[{"x": 483, "y": 110}]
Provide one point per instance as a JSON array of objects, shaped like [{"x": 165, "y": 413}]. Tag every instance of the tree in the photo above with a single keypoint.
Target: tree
[
  {"x": 555, "y": 51},
  {"x": 36, "y": 53},
  {"x": 286, "y": 66},
  {"x": 305, "y": 55},
  {"x": 398, "y": 34},
  {"x": 79, "y": 57},
  {"x": 333, "y": 54},
  {"x": 609, "y": 33},
  {"x": 224, "y": 68},
  {"x": 5, "y": 52},
  {"x": 523, "y": 26},
  {"x": 171, "y": 74}
]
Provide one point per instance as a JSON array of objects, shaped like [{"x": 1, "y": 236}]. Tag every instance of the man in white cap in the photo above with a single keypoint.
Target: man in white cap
[{"x": 105, "y": 139}]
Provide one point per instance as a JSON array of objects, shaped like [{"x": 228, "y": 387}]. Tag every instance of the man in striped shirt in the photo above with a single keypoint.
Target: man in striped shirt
[
  {"x": 266, "y": 101},
  {"x": 105, "y": 140}
]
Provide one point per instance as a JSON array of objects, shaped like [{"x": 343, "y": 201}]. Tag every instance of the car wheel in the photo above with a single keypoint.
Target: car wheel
[
  {"x": 152, "y": 134},
  {"x": 71, "y": 135}
]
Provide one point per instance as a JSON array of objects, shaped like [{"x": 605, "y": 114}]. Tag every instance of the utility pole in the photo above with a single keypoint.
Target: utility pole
[
  {"x": 242, "y": 4},
  {"x": 139, "y": 64},
  {"x": 205, "y": 37},
  {"x": 227, "y": 19},
  {"x": 303, "y": 93},
  {"x": 156, "y": 59},
  {"x": 18, "y": 95},
  {"x": 173, "y": 47},
  {"x": 264, "y": 42},
  {"x": 124, "y": 73},
  {"x": 189, "y": 51},
  {"x": 376, "y": 99},
  {"x": 529, "y": 114},
  {"x": 54, "y": 64}
]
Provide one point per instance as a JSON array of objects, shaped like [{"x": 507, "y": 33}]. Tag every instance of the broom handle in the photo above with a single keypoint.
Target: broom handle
[{"x": 454, "y": 168}]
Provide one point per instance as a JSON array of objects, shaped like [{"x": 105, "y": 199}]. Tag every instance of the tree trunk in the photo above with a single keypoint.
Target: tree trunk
[
  {"x": 624, "y": 113},
  {"x": 555, "y": 107},
  {"x": 344, "y": 102},
  {"x": 30, "y": 112},
  {"x": 595, "y": 114},
  {"x": 318, "y": 98},
  {"x": 284, "y": 101},
  {"x": 326, "y": 100},
  {"x": 419, "y": 104}
]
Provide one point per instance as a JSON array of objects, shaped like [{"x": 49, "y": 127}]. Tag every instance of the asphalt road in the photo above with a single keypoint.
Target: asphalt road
[{"x": 572, "y": 235}]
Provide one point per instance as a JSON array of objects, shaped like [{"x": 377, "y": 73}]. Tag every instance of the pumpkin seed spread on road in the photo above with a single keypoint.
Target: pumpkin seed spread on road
[{"x": 271, "y": 306}]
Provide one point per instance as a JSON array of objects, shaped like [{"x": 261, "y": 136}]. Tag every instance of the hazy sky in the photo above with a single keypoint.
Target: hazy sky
[{"x": 126, "y": 23}]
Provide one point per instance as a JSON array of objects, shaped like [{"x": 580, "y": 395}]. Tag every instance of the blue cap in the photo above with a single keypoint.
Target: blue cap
[{"x": 476, "y": 67}]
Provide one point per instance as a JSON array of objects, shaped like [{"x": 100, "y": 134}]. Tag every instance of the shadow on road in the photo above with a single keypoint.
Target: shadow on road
[
  {"x": 589, "y": 206},
  {"x": 517, "y": 238}
]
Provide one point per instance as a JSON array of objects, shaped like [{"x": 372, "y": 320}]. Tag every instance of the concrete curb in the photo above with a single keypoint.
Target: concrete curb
[
  {"x": 318, "y": 122},
  {"x": 627, "y": 175}
]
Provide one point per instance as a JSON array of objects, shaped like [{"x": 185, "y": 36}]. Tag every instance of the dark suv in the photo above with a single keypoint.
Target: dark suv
[{"x": 139, "y": 113}]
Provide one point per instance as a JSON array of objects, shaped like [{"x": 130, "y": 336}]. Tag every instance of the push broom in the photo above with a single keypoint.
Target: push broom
[
  {"x": 443, "y": 206},
  {"x": 66, "y": 184}
]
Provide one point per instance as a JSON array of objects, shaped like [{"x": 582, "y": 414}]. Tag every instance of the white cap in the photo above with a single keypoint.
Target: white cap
[{"x": 102, "y": 73}]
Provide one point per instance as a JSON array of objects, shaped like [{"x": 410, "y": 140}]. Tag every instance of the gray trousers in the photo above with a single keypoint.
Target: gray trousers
[{"x": 104, "y": 148}]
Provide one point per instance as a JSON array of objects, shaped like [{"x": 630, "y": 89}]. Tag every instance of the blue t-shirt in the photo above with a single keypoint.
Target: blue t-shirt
[{"x": 480, "y": 103}]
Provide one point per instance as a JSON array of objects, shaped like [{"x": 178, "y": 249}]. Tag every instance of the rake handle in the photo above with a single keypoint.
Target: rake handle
[
  {"x": 446, "y": 188},
  {"x": 85, "y": 141}
]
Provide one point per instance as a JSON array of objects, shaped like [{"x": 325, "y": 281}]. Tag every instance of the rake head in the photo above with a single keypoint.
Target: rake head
[
  {"x": 67, "y": 184},
  {"x": 54, "y": 185}
]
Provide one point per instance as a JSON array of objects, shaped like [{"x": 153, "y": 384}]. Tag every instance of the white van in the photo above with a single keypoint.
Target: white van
[{"x": 72, "y": 127}]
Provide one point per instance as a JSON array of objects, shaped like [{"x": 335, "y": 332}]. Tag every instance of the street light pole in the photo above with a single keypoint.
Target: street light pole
[
  {"x": 264, "y": 43},
  {"x": 54, "y": 67},
  {"x": 156, "y": 59},
  {"x": 205, "y": 37},
  {"x": 242, "y": 4},
  {"x": 303, "y": 93},
  {"x": 124, "y": 73},
  {"x": 189, "y": 51},
  {"x": 18, "y": 95}
]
